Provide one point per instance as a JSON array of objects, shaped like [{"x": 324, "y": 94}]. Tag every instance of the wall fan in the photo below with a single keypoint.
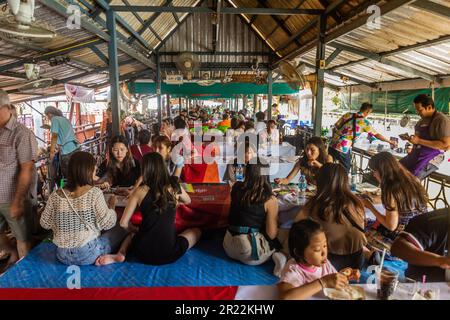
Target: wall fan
[
  {"x": 20, "y": 27},
  {"x": 294, "y": 79},
  {"x": 35, "y": 81},
  {"x": 187, "y": 63}
]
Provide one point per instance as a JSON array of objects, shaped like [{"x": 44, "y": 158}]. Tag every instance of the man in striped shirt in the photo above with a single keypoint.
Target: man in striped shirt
[{"x": 18, "y": 152}]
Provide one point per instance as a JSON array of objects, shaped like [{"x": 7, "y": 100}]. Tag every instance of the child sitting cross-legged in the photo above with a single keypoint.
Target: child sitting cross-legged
[{"x": 309, "y": 270}]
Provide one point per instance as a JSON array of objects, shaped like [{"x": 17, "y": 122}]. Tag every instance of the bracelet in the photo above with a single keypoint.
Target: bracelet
[{"x": 321, "y": 283}]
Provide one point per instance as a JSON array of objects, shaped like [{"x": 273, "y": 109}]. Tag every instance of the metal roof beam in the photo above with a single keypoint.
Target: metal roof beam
[
  {"x": 333, "y": 56},
  {"x": 226, "y": 10},
  {"x": 128, "y": 76},
  {"x": 150, "y": 20},
  {"x": 217, "y": 53},
  {"x": 13, "y": 75},
  {"x": 334, "y": 13},
  {"x": 216, "y": 34},
  {"x": 433, "y": 7},
  {"x": 283, "y": 20},
  {"x": 99, "y": 54},
  {"x": 217, "y": 66},
  {"x": 346, "y": 28},
  {"x": 310, "y": 24},
  {"x": 337, "y": 74},
  {"x": 403, "y": 49},
  {"x": 254, "y": 29},
  {"x": 163, "y": 41},
  {"x": 96, "y": 18},
  {"x": 278, "y": 21},
  {"x": 384, "y": 60},
  {"x": 81, "y": 75},
  {"x": 51, "y": 54},
  {"x": 91, "y": 27},
  {"x": 125, "y": 24}
]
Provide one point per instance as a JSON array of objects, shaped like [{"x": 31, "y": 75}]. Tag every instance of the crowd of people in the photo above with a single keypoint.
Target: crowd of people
[{"x": 329, "y": 233}]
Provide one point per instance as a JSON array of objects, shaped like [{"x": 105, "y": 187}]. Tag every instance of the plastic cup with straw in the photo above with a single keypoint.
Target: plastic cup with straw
[{"x": 382, "y": 260}]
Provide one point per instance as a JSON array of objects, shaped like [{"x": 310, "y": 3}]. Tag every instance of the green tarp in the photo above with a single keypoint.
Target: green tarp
[
  {"x": 217, "y": 90},
  {"x": 397, "y": 101}
]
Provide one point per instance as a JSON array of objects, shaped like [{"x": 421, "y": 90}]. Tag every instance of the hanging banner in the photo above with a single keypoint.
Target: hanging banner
[{"x": 79, "y": 94}]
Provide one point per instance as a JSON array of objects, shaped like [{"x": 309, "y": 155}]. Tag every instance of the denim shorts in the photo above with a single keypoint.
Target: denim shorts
[{"x": 86, "y": 254}]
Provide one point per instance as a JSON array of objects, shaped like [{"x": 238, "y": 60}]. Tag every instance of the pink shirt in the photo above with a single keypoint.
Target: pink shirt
[{"x": 298, "y": 275}]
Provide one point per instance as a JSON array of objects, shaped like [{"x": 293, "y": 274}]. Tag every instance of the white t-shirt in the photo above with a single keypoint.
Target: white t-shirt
[{"x": 260, "y": 126}]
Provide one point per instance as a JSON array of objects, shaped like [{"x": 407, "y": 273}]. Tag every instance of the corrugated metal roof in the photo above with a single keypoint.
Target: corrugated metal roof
[{"x": 405, "y": 26}]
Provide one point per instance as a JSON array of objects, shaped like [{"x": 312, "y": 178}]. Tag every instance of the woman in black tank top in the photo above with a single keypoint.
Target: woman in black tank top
[
  {"x": 251, "y": 235},
  {"x": 156, "y": 240}
]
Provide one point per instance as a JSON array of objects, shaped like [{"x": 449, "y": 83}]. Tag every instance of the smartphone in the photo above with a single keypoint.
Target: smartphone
[{"x": 404, "y": 136}]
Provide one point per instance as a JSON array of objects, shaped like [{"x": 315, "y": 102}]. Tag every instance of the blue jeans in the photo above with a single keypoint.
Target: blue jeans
[{"x": 107, "y": 243}]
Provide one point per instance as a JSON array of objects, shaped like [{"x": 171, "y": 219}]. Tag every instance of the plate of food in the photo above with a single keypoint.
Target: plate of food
[
  {"x": 290, "y": 159},
  {"x": 367, "y": 187},
  {"x": 348, "y": 293}
]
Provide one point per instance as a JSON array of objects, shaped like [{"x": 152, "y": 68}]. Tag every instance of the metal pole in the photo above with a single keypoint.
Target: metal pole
[
  {"x": 113, "y": 70},
  {"x": 269, "y": 101},
  {"x": 179, "y": 105},
  {"x": 158, "y": 88},
  {"x": 168, "y": 106},
  {"x": 350, "y": 98},
  {"x": 385, "y": 109},
  {"x": 320, "y": 69},
  {"x": 432, "y": 90}
]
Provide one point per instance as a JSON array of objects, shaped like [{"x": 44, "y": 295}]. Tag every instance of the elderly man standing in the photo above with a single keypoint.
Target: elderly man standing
[
  {"x": 18, "y": 152},
  {"x": 63, "y": 136}
]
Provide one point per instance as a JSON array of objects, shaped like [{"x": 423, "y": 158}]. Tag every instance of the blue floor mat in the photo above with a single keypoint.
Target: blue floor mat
[{"x": 204, "y": 265}]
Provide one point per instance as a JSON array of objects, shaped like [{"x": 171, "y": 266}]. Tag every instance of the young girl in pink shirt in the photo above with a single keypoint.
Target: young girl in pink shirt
[{"x": 309, "y": 270}]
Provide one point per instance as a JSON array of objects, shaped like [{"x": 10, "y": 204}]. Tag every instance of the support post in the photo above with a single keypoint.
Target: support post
[
  {"x": 158, "y": 88},
  {"x": 269, "y": 97},
  {"x": 113, "y": 70},
  {"x": 320, "y": 69},
  {"x": 168, "y": 106}
]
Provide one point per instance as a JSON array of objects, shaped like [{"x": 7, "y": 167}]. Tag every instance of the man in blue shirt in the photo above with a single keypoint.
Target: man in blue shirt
[{"x": 62, "y": 134}]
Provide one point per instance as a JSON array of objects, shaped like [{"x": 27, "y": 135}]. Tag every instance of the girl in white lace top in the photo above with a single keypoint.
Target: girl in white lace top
[{"x": 78, "y": 214}]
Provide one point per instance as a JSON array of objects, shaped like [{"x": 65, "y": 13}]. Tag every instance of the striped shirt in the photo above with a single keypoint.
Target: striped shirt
[{"x": 17, "y": 146}]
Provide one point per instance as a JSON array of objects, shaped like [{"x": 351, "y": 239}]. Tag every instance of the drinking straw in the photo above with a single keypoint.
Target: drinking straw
[{"x": 382, "y": 259}]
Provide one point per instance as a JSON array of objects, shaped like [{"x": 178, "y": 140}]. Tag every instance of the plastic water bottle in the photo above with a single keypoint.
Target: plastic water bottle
[
  {"x": 239, "y": 172},
  {"x": 353, "y": 178},
  {"x": 302, "y": 186}
]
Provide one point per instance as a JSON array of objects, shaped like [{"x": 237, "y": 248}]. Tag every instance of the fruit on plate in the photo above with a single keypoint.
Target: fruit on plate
[{"x": 351, "y": 274}]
